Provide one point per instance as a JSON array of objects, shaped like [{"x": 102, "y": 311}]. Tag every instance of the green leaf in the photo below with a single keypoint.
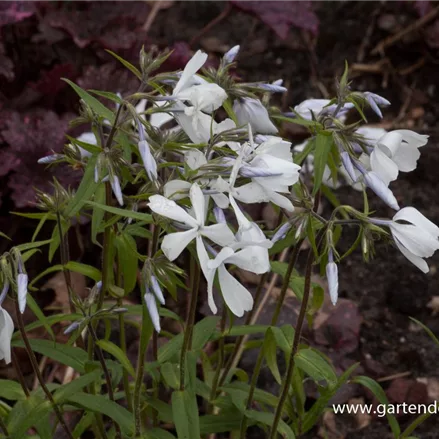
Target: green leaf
[
  {"x": 268, "y": 419},
  {"x": 56, "y": 239},
  {"x": 108, "y": 95},
  {"x": 68, "y": 355},
  {"x": 240, "y": 330},
  {"x": 269, "y": 349},
  {"x": 316, "y": 366},
  {"x": 380, "y": 395},
  {"x": 157, "y": 433},
  {"x": 39, "y": 226},
  {"x": 39, "y": 314},
  {"x": 413, "y": 425},
  {"x": 127, "y": 64},
  {"x": 11, "y": 390},
  {"x": 101, "y": 404},
  {"x": 86, "y": 189},
  {"x": 171, "y": 375},
  {"x": 128, "y": 261},
  {"x": 98, "y": 214},
  {"x": 122, "y": 212},
  {"x": 302, "y": 155},
  {"x": 185, "y": 414},
  {"x": 86, "y": 270},
  {"x": 225, "y": 422},
  {"x": 322, "y": 148},
  {"x": 117, "y": 353},
  {"x": 100, "y": 109},
  {"x": 75, "y": 386},
  {"x": 203, "y": 331},
  {"x": 32, "y": 245},
  {"x": 427, "y": 330}
]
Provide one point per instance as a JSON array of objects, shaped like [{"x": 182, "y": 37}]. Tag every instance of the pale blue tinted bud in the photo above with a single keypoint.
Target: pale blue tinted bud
[
  {"x": 273, "y": 88},
  {"x": 230, "y": 55},
  {"x": 148, "y": 160},
  {"x": 157, "y": 290},
  {"x": 4, "y": 291},
  {"x": 22, "y": 281},
  {"x": 252, "y": 172},
  {"x": 374, "y": 182},
  {"x": 153, "y": 311},
  {"x": 117, "y": 191},
  {"x": 50, "y": 159},
  {"x": 374, "y": 100},
  {"x": 348, "y": 165},
  {"x": 219, "y": 215},
  {"x": 72, "y": 327},
  {"x": 332, "y": 276},
  {"x": 281, "y": 232}
]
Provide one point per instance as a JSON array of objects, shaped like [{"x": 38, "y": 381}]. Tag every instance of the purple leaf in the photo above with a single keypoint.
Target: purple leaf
[
  {"x": 281, "y": 15},
  {"x": 14, "y": 12}
]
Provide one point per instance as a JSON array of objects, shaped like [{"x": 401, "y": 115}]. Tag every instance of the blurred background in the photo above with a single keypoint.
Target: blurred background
[{"x": 392, "y": 49}]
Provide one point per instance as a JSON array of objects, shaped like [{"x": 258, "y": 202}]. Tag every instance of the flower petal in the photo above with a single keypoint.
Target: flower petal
[
  {"x": 198, "y": 203},
  {"x": 382, "y": 165},
  {"x": 218, "y": 233},
  {"x": 416, "y": 260},
  {"x": 192, "y": 67},
  {"x": 174, "y": 243},
  {"x": 406, "y": 157},
  {"x": 237, "y": 298},
  {"x": 414, "y": 239},
  {"x": 6, "y": 331},
  {"x": 170, "y": 209},
  {"x": 412, "y": 215}
]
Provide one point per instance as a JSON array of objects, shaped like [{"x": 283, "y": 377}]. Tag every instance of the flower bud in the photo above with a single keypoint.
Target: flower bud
[
  {"x": 157, "y": 290},
  {"x": 72, "y": 327},
  {"x": 117, "y": 191},
  {"x": 332, "y": 276},
  {"x": 22, "y": 281},
  {"x": 374, "y": 100},
  {"x": 4, "y": 292},
  {"x": 151, "y": 305},
  {"x": 50, "y": 159},
  {"x": 219, "y": 215},
  {"x": 347, "y": 163},
  {"x": 281, "y": 232},
  {"x": 230, "y": 55},
  {"x": 374, "y": 182}
]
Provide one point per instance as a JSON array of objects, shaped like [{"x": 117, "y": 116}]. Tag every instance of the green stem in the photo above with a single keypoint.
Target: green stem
[
  {"x": 4, "y": 428},
  {"x": 144, "y": 337},
  {"x": 20, "y": 376},
  {"x": 260, "y": 359},
  {"x": 219, "y": 366},
  {"x": 297, "y": 334},
  {"x": 123, "y": 346},
  {"x": 36, "y": 369},
  {"x": 107, "y": 375},
  {"x": 187, "y": 340},
  {"x": 155, "y": 384}
]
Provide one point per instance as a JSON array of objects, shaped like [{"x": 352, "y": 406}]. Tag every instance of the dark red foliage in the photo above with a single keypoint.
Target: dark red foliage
[
  {"x": 28, "y": 137},
  {"x": 50, "y": 82},
  {"x": 111, "y": 24},
  {"x": 13, "y": 12},
  {"x": 281, "y": 15}
]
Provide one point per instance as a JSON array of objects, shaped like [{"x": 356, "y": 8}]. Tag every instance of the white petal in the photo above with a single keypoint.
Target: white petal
[
  {"x": 383, "y": 166},
  {"x": 152, "y": 310},
  {"x": 174, "y": 243},
  {"x": 251, "y": 193},
  {"x": 406, "y": 157},
  {"x": 6, "y": 331},
  {"x": 222, "y": 256},
  {"x": 415, "y": 240},
  {"x": 281, "y": 201},
  {"x": 201, "y": 132},
  {"x": 416, "y": 260},
  {"x": 148, "y": 160},
  {"x": 412, "y": 138},
  {"x": 176, "y": 189},
  {"x": 22, "y": 281},
  {"x": 237, "y": 298},
  {"x": 194, "y": 158},
  {"x": 249, "y": 110},
  {"x": 170, "y": 209},
  {"x": 192, "y": 67},
  {"x": 244, "y": 223},
  {"x": 332, "y": 276},
  {"x": 220, "y": 200},
  {"x": 371, "y": 134},
  {"x": 206, "y": 97},
  {"x": 412, "y": 215},
  {"x": 254, "y": 259},
  {"x": 209, "y": 273},
  {"x": 390, "y": 143},
  {"x": 198, "y": 203},
  {"x": 218, "y": 233},
  {"x": 315, "y": 106}
]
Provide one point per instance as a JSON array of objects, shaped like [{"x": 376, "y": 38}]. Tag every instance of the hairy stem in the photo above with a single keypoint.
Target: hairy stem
[
  {"x": 297, "y": 334},
  {"x": 36, "y": 369},
  {"x": 187, "y": 340}
]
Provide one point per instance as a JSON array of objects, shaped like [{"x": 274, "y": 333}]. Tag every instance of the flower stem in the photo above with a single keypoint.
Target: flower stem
[
  {"x": 145, "y": 334},
  {"x": 219, "y": 366},
  {"x": 155, "y": 383},
  {"x": 260, "y": 359},
  {"x": 36, "y": 369},
  {"x": 187, "y": 340},
  {"x": 123, "y": 346},
  {"x": 296, "y": 340},
  {"x": 107, "y": 375},
  {"x": 20, "y": 376}
]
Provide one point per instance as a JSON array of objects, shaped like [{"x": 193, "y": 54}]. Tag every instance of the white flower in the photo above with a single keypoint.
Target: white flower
[
  {"x": 187, "y": 77},
  {"x": 248, "y": 253},
  {"x": 332, "y": 276},
  {"x": 316, "y": 106},
  {"x": 396, "y": 151},
  {"x": 274, "y": 156},
  {"x": 173, "y": 244},
  {"x": 251, "y": 111},
  {"x": 6, "y": 328},
  {"x": 22, "y": 281},
  {"x": 416, "y": 240}
]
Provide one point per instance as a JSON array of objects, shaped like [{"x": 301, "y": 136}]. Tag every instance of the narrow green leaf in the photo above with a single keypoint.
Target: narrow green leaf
[
  {"x": 75, "y": 386},
  {"x": 127, "y": 64},
  {"x": 32, "y": 245},
  {"x": 426, "y": 329},
  {"x": 322, "y": 148},
  {"x": 268, "y": 419},
  {"x": 101, "y": 404},
  {"x": 185, "y": 414},
  {"x": 269, "y": 349},
  {"x": 122, "y": 212},
  {"x": 316, "y": 366},
  {"x": 117, "y": 353},
  {"x": 68, "y": 355},
  {"x": 39, "y": 314},
  {"x": 128, "y": 261},
  {"x": 100, "y": 109},
  {"x": 98, "y": 214},
  {"x": 11, "y": 390},
  {"x": 379, "y": 393},
  {"x": 86, "y": 270}
]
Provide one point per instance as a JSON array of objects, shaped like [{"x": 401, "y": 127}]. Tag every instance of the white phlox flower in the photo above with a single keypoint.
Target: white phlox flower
[
  {"x": 414, "y": 235},
  {"x": 316, "y": 106},
  {"x": 252, "y": 111},
  {"x": 6, "y": 328},
  {"x": 395, "y": 151},
  {"x": 174, "y": 243}
]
